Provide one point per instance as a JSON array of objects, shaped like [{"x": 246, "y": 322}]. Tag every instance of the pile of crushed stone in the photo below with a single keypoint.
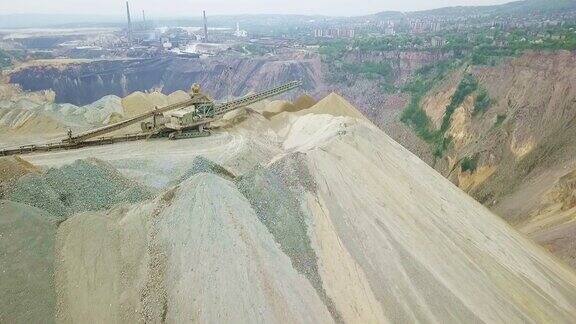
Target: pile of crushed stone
[
  {"x": 304, "y": 102},
  {"x": 13, "y": 168},
  {"x": 84, "y": 185}
]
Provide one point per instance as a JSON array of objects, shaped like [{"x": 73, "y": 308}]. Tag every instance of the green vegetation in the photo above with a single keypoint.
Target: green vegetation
[
  {"x": 480, "y": 46},
  {"x": 341, "y": 71},
  {"x": 332, "y": 54},
  {"x": 469, "y": 164},
  {"x": 415, "y": 116},
  {"x": 482, "y": 102},
  {"x": 332, "y": 51},
  {"x": 387, "y": 43},
  {"x": 488, "y": 46},
  {"x": 370, "y": 69},
  {"x": 387, "y": 87},
  {"x": 465, "y": 88},
  {"x": 5, "y": 60},
  {"x": 423, "y": 80},
  {"x": 473, "y": 46},
  {"x": 499, "y": 120},
  {"x": 381, "y": 71}
]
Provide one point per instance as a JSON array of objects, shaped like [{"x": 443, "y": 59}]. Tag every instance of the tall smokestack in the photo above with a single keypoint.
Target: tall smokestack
[
  {"x": 129, "y": 21},
  {"x": 205, "y": 27}
]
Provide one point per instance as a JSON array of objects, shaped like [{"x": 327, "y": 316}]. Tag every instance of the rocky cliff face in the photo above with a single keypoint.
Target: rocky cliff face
[
  {"x": 403, "y": 63},
  {"x": 513, "y": 155},
  {"x": 366, "y": 92},
  {"x": 85, "y": 83},
  {"x": 383, "y": 107}
]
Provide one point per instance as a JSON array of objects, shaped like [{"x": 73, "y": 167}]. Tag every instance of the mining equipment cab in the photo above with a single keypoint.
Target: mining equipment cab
[
  {"x": 189, "y": 118},
  {"x": 184, "y": 121}
]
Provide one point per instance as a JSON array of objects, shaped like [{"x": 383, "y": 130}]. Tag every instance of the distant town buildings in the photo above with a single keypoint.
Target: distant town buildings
[
  {"x": 390, "y": 30},
  {"x": 239, "y": 32},
  {"x": 334, "y": 33},
  {"x": 437, "y": 41},
  {"x": 436, "y": 31},
  {"x": 420, "y": 26}
]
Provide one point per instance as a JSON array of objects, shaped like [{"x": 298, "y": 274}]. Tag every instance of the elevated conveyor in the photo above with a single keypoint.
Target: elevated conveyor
[{"x": 96, "y": 137}]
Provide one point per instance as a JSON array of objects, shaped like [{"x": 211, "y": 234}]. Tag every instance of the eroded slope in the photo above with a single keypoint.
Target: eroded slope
[
  {"x": 512, "y": 140},
  {"x": 302, "y": 217},
  {"x": 343, "y": 224}
]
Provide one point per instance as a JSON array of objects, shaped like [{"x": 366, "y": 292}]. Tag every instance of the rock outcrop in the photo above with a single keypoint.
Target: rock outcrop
[{"x": 84, "y": 83}]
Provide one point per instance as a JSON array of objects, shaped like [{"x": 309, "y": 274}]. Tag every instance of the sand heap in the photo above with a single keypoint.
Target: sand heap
[
  {"x": 177, "y": 96},
  {"x": 27, "y": 236},
  {"x": 342, "y": 224},
  {"x": 30, "y": 117},
  {"x": 99, "y": 112},
  {"x": 25, "y": 116},
  {"x": 146, "y": 282},
  {"x": 136, "y": 103},
  {"x": 275, "y": 107},
  {"x": 304, "y": 102},
  {"x": 140, "y": 102},
  {"x": 22, "y": 121},
  {"x": 333, "y": 104}
]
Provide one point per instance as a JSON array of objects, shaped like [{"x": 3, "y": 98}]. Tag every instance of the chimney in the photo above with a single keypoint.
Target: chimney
[
  {"x": 129, "y": 21},
  {"x": 205, "y": 27}
]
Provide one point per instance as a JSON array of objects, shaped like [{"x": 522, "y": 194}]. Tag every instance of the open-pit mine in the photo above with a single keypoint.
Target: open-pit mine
[
  {"x": 393, "y": 167},
  {"x": 297, "y": 211}
]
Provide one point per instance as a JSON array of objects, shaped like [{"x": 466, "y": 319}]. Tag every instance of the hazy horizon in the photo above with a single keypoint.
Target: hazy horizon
[{"x": 228, "y": 7}]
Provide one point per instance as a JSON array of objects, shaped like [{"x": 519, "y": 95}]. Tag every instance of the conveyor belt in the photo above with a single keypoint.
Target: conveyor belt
[
  {"x": 58, "y": 146},
  {"x": 250, "y": 99},
  {"x": 87, "y": 138},
  {"x": 119, "y": 125}
]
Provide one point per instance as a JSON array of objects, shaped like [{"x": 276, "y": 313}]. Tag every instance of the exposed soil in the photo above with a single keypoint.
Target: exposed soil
[
  {"x": 313, "y": 216},
  {"x": 523, "y": 144}
]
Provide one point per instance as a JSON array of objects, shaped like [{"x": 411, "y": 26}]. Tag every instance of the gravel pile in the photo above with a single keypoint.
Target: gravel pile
[
  {"x": 13, "y": 168},
  {"x": 83, "y": 185}
]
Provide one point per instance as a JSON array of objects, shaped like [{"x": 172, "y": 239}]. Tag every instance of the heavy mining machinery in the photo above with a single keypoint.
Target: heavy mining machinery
[{"x": 186, "y": 119}]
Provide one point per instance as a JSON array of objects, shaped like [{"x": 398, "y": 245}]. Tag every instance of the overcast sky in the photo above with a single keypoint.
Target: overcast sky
[{"x": 192, "y": 7}]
